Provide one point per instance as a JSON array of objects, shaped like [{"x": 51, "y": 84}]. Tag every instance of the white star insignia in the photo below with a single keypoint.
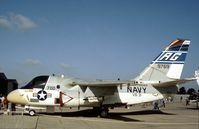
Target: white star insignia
[{"x": 42, "y": 95}]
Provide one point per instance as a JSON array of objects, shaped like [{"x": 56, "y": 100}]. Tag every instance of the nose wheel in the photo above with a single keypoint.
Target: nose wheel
[{"x": 32, "y": 112}]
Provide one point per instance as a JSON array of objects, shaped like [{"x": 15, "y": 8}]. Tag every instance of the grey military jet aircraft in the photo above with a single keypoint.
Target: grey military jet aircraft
[{"x": 157, "y": 80}]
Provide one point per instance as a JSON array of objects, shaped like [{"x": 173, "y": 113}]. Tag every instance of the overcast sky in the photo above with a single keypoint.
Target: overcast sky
[{"x": 93, "y": 39}]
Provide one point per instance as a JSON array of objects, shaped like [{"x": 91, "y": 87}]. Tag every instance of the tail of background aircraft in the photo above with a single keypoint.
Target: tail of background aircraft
[
  {"x": 197, "y": 76},
  {"x": 168, "y": 65}
]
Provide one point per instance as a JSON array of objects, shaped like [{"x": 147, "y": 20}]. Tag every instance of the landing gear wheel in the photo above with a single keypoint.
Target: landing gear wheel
[
  {"x": 32, "y": 112},
  {"x": 104, "y": 113}
]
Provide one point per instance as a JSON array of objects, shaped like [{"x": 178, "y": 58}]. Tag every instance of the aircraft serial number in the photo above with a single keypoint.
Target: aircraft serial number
[
  {"x": 163, "y": 66},
  {"x": 50, "y": 88}
]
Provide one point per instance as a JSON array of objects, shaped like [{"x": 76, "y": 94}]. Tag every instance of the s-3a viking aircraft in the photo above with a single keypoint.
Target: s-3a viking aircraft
[{"x": 160, "y": 78}]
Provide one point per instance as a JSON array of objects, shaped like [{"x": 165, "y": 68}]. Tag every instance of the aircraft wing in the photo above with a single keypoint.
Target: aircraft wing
[
  {"x": 173, "y": 83},
  {"x": 101, "y": 83},
  {"x": 117, "y": 83}
]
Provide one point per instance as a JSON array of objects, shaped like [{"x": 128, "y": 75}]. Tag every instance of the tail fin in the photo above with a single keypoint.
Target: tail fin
[
  {"x": 197, "y": 76},
  {"x": 168, "y": 65}
]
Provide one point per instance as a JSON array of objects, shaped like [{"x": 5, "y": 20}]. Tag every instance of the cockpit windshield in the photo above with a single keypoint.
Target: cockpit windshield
[{"x": 37, "y": 82}]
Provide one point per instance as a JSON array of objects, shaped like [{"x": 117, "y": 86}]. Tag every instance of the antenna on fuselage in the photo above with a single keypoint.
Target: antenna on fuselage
[{"x": 62, "y": 76}]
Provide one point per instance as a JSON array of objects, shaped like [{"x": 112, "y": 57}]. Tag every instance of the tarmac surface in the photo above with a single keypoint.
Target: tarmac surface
[{"x": 173, "y": 116}]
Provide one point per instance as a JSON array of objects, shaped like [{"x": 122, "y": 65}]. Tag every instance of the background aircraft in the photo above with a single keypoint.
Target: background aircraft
[
  {"x": 197, "y": 76},
  {"x": 157, "y": 81}
]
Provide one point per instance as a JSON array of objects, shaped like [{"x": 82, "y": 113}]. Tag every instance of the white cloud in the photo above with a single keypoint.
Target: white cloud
[
  {"x": 4, "y": 22},
  {"x": 17, "y": 21},
  {"x": 32, "y": 62},
  {"x": 23, "y": 22}
]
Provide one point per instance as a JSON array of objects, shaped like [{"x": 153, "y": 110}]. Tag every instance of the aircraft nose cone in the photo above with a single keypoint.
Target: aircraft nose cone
[{"x": 16, "y": 97}]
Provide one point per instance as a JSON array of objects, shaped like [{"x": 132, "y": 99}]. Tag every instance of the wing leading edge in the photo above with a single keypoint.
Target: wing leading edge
[{"x": 118, "y": 83}]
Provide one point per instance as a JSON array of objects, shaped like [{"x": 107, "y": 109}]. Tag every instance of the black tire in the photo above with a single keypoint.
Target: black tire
[{"x": 104, "y": 113}]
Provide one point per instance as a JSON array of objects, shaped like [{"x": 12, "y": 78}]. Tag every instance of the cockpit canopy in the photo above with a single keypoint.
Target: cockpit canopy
[{"x": 37, "y": 82}]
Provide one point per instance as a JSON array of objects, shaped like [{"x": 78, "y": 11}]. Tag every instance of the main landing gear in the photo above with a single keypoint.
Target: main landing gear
[{"x": 102, "y": 111}]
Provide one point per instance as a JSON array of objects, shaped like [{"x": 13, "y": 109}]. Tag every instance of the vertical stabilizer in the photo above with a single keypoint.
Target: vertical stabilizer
[
  {"x": 197, "y": 76},
  {"x": 168, "y": 65}
]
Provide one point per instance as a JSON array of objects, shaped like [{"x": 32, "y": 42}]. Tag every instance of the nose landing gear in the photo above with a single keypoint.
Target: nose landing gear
[{"x": 32, "y": 112}]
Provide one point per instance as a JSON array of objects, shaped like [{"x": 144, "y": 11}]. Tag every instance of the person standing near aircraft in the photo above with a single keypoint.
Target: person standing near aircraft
[{"x": 1, "y": 102}]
